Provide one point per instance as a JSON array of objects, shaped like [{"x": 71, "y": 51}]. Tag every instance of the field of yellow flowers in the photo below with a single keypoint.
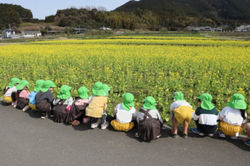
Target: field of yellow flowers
[{"x": 142, "y": 65}]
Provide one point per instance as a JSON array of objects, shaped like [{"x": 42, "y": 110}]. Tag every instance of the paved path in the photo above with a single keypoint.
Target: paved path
[{"x": 26, "y": 140}]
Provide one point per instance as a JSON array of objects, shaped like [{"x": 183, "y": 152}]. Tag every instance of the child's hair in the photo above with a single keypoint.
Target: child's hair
[{"x": 243, "y": 113}]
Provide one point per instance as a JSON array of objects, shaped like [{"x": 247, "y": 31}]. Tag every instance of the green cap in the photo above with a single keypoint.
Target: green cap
[
  {"x": 39, "y": 84},
  {"x": 22, "y": 84},
  {"x": 13, "y": 82},
  {"x": 98, "y": 89},
  {"x": 127, "y": 101},
  {"x": 149, "y": 103},
  {"x": 206, "y": 101},
  {"x": 238, "y": 102},
  {"x": 106, "y": 89},
  {"x": 64, "y": 92},
  {"x": 83, "y": 92},
  {"x": 178, "y": 96},
  {"x": 47, "y": 84}
]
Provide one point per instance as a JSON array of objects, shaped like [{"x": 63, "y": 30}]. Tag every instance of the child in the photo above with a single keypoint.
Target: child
[
  {"x": 62, "y": 104},
  {"x": 10, "y": 91},
  {"x": 32, "y": 95},
  {"x": 97, "y": 106},
  {"x": 149, "y": 120},
  {"x": 205, "y": 116},
  {"x": 124, "y": 113},
  {"x": 247, "y": 141},
  {"x": 182, "y": 112},
  {"x": 22, "y": 94},
  {"x": 233, "y": 117},
  {"x": 77, "y": 111},
  {"x": 44, "y": 98}
]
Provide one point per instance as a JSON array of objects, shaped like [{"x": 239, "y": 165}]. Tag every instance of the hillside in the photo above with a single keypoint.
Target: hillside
[
  {"x": 217, "y": 10},
  {"x": 13, "y": 15}
]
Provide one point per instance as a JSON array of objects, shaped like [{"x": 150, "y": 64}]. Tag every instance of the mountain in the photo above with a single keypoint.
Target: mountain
[
  {"x": 221, "y": 11},
  {"x": 13, "y": 15}
]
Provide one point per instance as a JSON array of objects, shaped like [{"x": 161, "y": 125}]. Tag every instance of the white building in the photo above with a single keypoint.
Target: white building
[
  {"x": 8, "y": 33},
  {"x": 105, "y": 28},
  {"x": 31, "y": 34},
  {"x": 243, "y": 28}
]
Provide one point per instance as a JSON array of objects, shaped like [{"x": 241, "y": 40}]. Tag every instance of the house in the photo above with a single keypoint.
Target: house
[
  {"x": 79, "y": 30},
  {"x": 8, "y": 33},
  {"x": 103, "y": 28},
  {"x": 243, "y": 28},
  {"x": 31, "y": 34}
]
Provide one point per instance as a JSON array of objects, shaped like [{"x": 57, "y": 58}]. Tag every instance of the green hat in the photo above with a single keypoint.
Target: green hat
[
  {"x": 178, "y": 96},
  {"x": 83, "y": 92},
  {"x": 238, "y": 102},
  {"x": 106, "y": 89},
  {"x": 13, "y": 82},
  {"x": 38, "y": 86},
  {"x": 206, "y": 101},
  {"x": 22, "y": 84},
  {"x": 98, "y": 89},
  {"x": 149, "y": 103},
  {"x": 127, "y": 101},
  {"x": 47, "y": 84},
  {"x": 64, "y": 92}
]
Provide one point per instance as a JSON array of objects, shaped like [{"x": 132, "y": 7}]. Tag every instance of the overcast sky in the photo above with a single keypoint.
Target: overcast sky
[{"x": 42, "y": 8}]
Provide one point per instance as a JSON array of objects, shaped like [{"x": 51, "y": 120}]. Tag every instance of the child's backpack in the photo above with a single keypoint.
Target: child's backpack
[{"x": 148, "y": 128}]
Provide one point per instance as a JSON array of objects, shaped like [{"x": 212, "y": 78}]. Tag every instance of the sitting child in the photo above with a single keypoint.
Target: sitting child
[
  {"x": 32, "y": 100},
  {"x": 205, "y": 116},
  {"x": 44, "y": 98},
  {"x": 22, "y": 94},
  {"x": 97, "y": 106},
  {"x": 77, "y": 111},
  {"x": 62, "y": 104},
  {"x": 247, "y": 127},
  {"x": 182, "y": 111},
  {"x": 149, "y": 121},
  {"x": 124, "y": 113},
  {"x": 10, "y": 92},
  {"x": 233, "y": 117}
]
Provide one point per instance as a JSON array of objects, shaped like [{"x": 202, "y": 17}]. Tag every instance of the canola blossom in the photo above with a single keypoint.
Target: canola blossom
[{"x": 143, "y": 65}]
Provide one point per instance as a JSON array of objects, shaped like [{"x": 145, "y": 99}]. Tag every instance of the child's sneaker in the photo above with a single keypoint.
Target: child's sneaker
[
  {"x": 94, "y": 125},
  {"x": 174, "y": 135},
  {"x": 26, "y": 108},
  {"x": 136, "y": 135},
  {"x": 185, "y": 136},
  {"x": 42, "y": 117},
  {"x": 211, "y": 135},
  {"x": 196, "y": 131},
  {"x": 222, "y": 135},
  {"x": 234, "y": 137},
  {"x": 104, "y": 125},
  {"x": 247, "y": 142},
  {"x": 158, "y": 136}
]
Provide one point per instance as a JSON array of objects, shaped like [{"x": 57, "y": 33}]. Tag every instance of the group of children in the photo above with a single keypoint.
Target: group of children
[{"x": 84, "y": 109}]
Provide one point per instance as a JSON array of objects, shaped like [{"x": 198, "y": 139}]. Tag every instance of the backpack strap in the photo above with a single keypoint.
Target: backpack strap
[{"x": 146, "y": 114}]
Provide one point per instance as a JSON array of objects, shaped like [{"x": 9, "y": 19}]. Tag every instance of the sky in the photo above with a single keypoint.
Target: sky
[{"x": 43, "y": 8}]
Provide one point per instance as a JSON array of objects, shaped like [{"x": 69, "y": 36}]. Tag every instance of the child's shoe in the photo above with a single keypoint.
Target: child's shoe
[
  {"x": 196, "y": 131},
  {"x": 104, "y": 125},
  {"x": 136, "y": 135},
  {"x": 26, "y": 108},
  {"x": 247, "y": 142},
  {"x": 94, "y": 125},
  {"x": 174, "y": 135},
  {"x": 234, "y": 137},
  {"x": 211, "y": 135},
  {"x": 185, "y": 136},
  {"x": 222, "y": 135},
  {"x": 42, "y": 117}
]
